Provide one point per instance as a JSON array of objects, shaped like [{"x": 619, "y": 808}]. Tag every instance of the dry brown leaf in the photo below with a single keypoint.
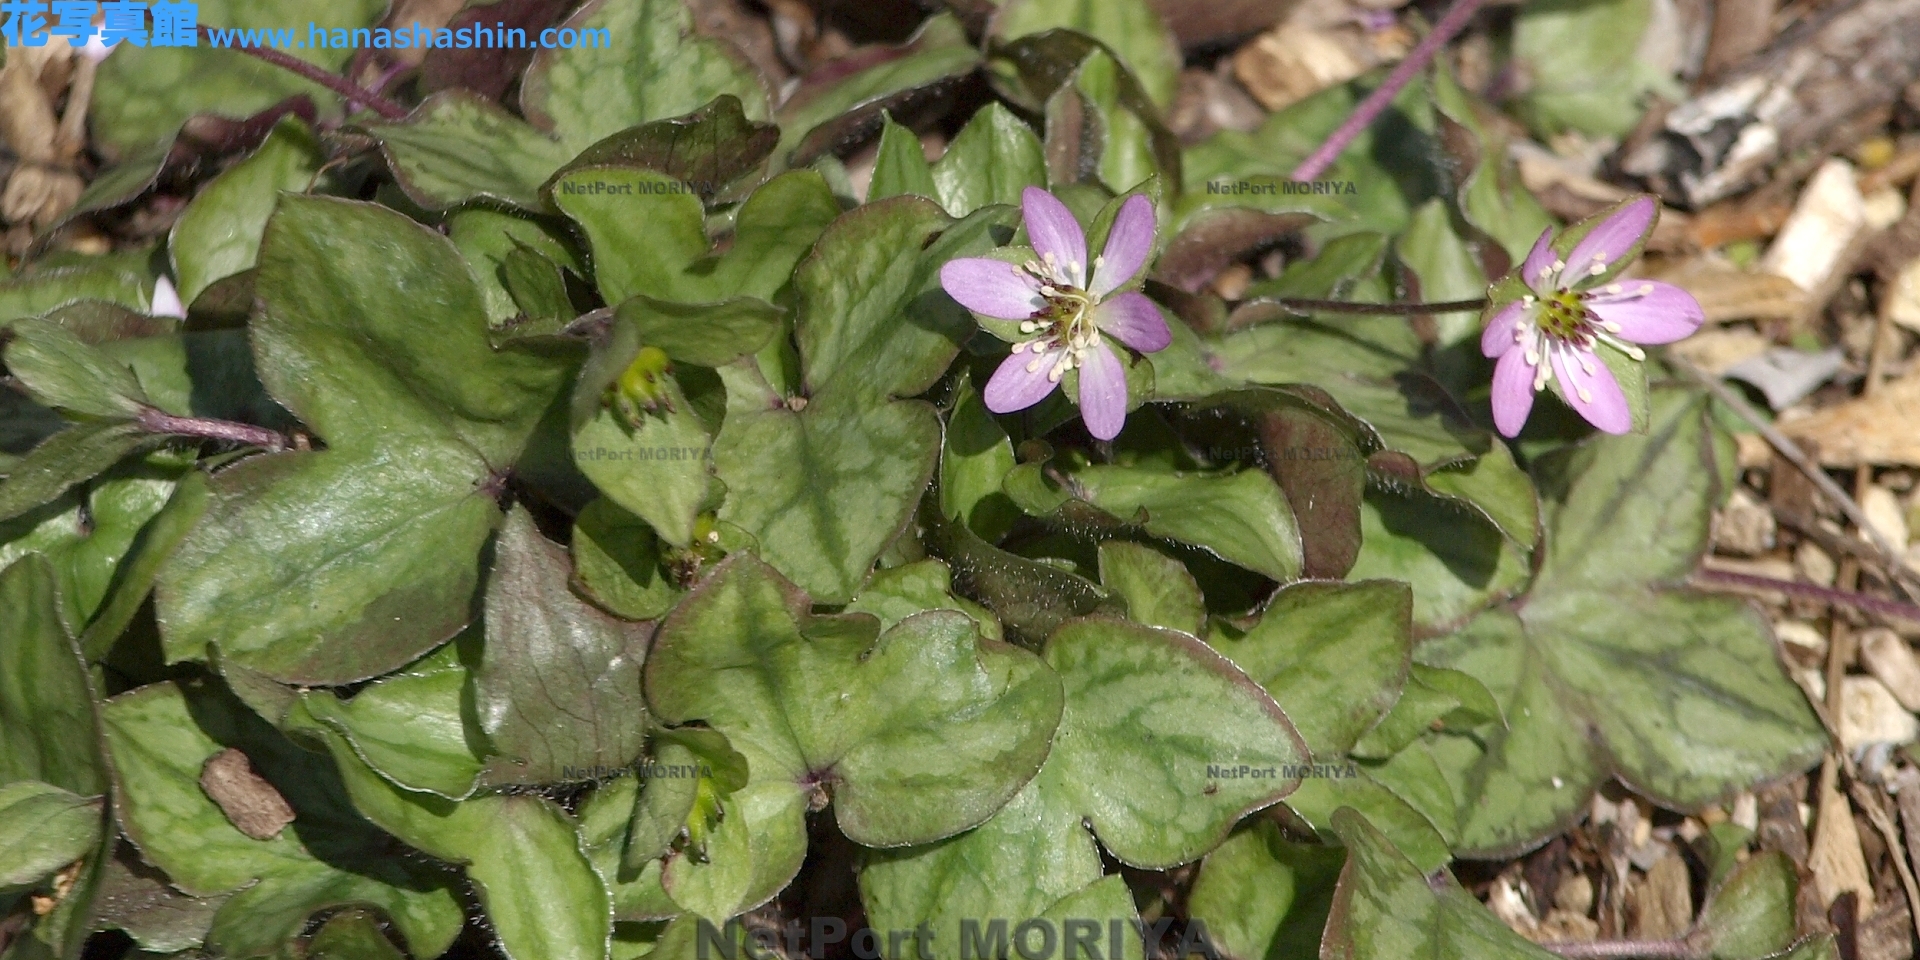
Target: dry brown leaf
[
  {"x": 1880, "y": 429},
  {"x": 1292, "y": 62},
  {"x": 251, "y": 804},
  {"x": 1717, "y": 351},
  {"x": 1836, "y": 861},
  {"x": 1727, "y": 292}
]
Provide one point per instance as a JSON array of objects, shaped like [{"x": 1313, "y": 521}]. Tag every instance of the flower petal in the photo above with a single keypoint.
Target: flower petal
[
  {"x": 1512, "y": 392},
  {"x": 1498, "y": 338},
  {"x": 1014, "y": 387},
  {"x": 1128, "y": 244},
  {"x": 1133, "y": 319},
  {"x": 1595, "y": 396},
  {"x": 1534, "y": 272},
  {"x": 1648, "y": 311},
  {"x": 1103, "y": 392},
  {"x": 992, "y": 287},
  {"x": 1052, "y": 229},
  {"x": 166, "y": 300},
  {"x": 1608, "y": 242}
]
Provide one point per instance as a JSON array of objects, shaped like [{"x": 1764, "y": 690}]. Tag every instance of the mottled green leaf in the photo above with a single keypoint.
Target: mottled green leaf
[
  {"x": 900, "y": 168},
  {"x": 1132, "y": 29},
  {"x": 522, "y": 853},
  {"x": 1156, "y": 732},
  {"x": 927, "y": 707},
  {"x": 1262, "y": 897},
  {"x": 1387, "y": 909},
  {"x": 648, "y": 234},
  {"x": 833, "y": 483},
  {"x": 1751, "y": 914},
  {"x": 1240, "y": 517},
  {"x": 413, "y": 726},
  {"x": 617, "y": 562},
  {"x": 650, "y": 65},
  {"x": 557, "y": 688},
  {"x": 47, "y": 727},
  {"x": 1600, "y": 672},
  {"x": 372, "y": 327},
  {"x": 60, "y": 371},
  {"x": 162, "y": 735},
  {"x": 896, "y": 593},
  {"x": 1333, "y": 655},
  {"x": 42, "y": 829},
  {"x": 991, "y": 160},
  {"x": 144, "y": 93},
  {"x": 71, "y": 456},
  {"x": 390, "y": 574},
  {"x": 218, "y": 234},
  {"x": 1158, "y": 589}
]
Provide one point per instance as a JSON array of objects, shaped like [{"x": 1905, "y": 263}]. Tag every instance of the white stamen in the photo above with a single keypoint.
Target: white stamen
[
  {"x": 1646, "y": 288},
  {"x": 1585, "y": 397},
  {"x": 1034, "y": 364},
  {"x": 1614, "y": 288}
]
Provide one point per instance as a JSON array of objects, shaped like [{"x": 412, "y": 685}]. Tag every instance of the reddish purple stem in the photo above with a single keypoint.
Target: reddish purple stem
[
  {"x": 1455, "y": 20},
  {"x": 354, "y": 93},
  {"x": 159, "y": 421}
]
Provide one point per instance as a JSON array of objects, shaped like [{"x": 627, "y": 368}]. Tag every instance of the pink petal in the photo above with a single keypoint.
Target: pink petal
[
  {"x": 166, "y": 300},
  {"x": 1103, "y": 392},
  {"x": 1052, "y": 229},
  {"x": 1539, "y": 263},
  {"x": 1128, "y": 244},
  {"x": 991, "y": 287},
  {"x": 1014, "y": 387},
  {"x": 1133, "y": 320},
  {"x": 1512, "y": 392},
  {"x": 1604, "y": 405},
  {"x": 1648, "y": 311},
  {"x": 1610, "y": 240},
  {"x": 1497, "y": 339}
]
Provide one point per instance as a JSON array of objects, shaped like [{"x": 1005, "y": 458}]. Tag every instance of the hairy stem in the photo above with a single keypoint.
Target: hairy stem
[
  {"x": 1839, "y": 598},
  {"x": 159, "y": 421},
  {"x": 332, "y": 81},
  {"x": 1623, "y": 949},
  {"x": 1452, "y": 23},
  {"x": 1305, "y": 306}
]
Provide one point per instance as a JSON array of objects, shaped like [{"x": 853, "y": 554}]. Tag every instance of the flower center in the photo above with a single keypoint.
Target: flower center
[
  {"x": 1064, "y": 323},
  {"x": 1564, "y": 317}
]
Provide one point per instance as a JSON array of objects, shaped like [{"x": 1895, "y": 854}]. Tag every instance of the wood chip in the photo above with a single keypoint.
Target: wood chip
[
  {"x": 1836, "y": 861},
  {"x": 1885, "y": 515},
  {"x": 1717, "y": 351},
  {"x": 1664, "y": 905},
  {"x": 1744, "y": 527},
  {"x": 1869, "y": 714},
  {"x": 1870, "y": 430},
  {"x": 1817, "y": 238},
  {"x": 1889, "y": 658},
  {"x": 251, "y": 804}
]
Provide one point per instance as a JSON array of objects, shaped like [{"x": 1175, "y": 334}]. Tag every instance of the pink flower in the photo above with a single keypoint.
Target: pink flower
[
  {"x": 166, "y": 300},
  {"x": 1572, "y": 308},
  {"x": 1064, "y": 317}
]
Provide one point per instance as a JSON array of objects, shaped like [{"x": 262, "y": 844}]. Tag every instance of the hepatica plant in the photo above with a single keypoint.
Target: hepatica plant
[
  {"x": 560, "y": 532},
  {"x": 1068, "y": 310}
]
